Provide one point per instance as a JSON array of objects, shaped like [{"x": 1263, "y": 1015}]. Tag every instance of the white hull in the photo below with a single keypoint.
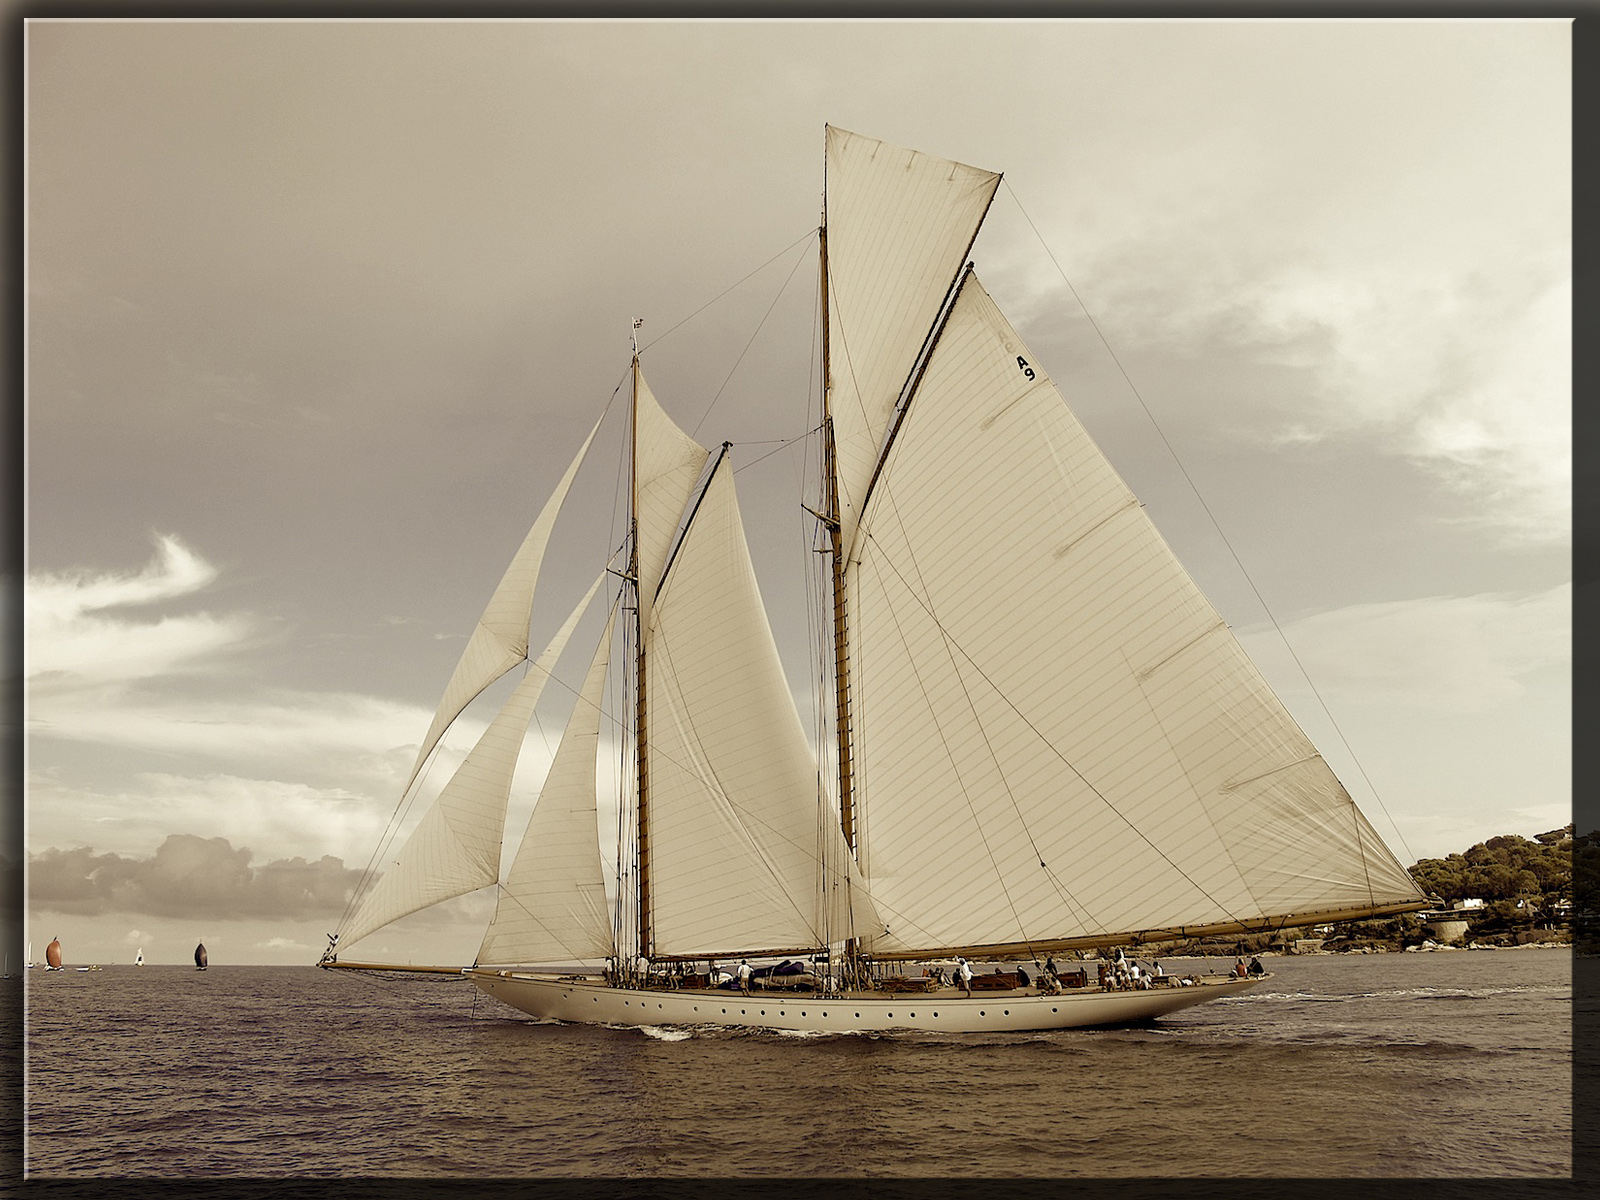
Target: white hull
[{"x": 592, "y": 1002}]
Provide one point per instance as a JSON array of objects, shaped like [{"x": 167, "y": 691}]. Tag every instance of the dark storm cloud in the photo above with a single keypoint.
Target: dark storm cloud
[{"x": 188, "y": 876}]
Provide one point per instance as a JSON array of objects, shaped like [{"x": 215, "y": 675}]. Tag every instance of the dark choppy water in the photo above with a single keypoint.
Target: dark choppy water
[{"x": 1447, "y": 1064}]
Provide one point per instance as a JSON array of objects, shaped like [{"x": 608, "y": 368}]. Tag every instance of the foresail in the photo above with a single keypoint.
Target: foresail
[
  {"x": 899, "y": 227},
  {"x": 500, "y": 639},
  {"x": 455, "y": 848},
  {"x": 552, "y": 905},
  {"x": 1057, "y": 734},
  {"x": 736, "y": 830}
]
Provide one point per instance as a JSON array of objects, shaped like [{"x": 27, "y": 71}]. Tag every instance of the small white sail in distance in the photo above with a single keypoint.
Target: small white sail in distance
[{"x": 455, "y": 849}]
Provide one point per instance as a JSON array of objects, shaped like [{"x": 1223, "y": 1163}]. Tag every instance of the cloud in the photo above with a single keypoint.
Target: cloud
[
  {"x": 72, "y": 642},
  {"x": 171, "y": 683},
  {"x": 191, "y": 877},
  {"x": 1444, "y": 653},
  {"x": 1471, "y": 382},
  {"x": 278, "y": 818}
]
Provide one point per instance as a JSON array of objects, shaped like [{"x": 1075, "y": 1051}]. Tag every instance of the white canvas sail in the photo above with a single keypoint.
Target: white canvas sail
[
  {"x": 899, "y": 225},
  {"x": 736, "y": 832},
  {"x": 455, "y": 848},
  {"x": 552, "y": 905},
  {"x": 1057, "y": 734},
  {"x": 500, "y": 639}
]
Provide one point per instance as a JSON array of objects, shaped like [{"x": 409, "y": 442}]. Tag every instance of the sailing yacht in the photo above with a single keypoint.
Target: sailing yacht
[{"x": 1041, "y": 738}]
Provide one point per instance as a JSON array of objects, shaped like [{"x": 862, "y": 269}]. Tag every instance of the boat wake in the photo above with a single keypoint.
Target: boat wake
[{"x": 660, "y": 1033}]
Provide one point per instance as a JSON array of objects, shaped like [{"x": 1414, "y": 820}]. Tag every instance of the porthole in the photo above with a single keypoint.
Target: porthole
[
  {"x": 1007, "y": 1012},
  {"x": 1055, "y": 1010},
  {"x": 891, "y": 1015},
  {"x": 936, "y": 1014},
  {"x": 858, "y": 1015},
  {"x": 981, "y": 1013},
  {"x": 763, "y": 1012},
  {"x": 802, "y": 1012}
]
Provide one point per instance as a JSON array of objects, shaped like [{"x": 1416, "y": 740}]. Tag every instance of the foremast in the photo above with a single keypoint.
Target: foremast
[{"x": 640, "y": 715}]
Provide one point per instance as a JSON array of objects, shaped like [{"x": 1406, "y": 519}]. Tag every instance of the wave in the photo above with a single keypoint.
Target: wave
[{"x": 662, "y": 1033}]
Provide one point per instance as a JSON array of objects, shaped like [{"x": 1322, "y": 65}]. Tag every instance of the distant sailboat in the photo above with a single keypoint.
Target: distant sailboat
[
  {"x": 138, "y": 959},
  {"x": 30, "y": 956},
  {"x": 52, "y": 955},
  {"x": 200, "y": 958}
]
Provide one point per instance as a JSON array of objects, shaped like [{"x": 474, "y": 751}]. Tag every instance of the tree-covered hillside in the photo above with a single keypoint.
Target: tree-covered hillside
[{"x": 1504, "y": 868}]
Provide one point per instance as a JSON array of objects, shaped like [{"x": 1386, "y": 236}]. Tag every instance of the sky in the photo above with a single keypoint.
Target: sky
[{"x": 317, "y": 313}]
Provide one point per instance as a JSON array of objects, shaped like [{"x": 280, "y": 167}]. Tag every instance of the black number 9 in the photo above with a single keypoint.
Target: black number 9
[{"x": 1022, "y": 365}]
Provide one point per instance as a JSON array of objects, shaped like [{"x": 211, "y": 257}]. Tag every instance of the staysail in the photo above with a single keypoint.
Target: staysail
[
  {"x": 1059, "y": 737},
  {"x": 455, "y": 849},
  {"x": 552, "y": 903}
]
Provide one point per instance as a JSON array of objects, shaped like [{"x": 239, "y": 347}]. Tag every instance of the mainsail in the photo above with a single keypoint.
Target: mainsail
[{"x": 1058, "y": 738}]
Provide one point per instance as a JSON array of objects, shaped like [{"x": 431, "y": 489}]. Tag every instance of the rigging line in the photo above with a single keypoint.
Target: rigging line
[
  {"x": 944, "y": 742},
  {"x": 999, "y": 871},
  {"x": 760, "y": 325},
  {"x": 806, "y": 236},
  {"x": 1226, "y": 844},
  {"x": 1006, "y": 700},
  {"x": 666, "y": 675},
  {"x": 403, "y": 806},
  {"x": 531, "y": 915},
  {"x": 1271, "y": 616},
  {"x": 783, "y": 445}
]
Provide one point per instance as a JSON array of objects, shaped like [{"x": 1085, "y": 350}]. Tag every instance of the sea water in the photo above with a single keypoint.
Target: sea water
[{"x": 1449, "y": 1064}]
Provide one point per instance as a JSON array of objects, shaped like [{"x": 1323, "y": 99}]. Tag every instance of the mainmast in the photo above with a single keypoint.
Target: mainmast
[
  {"x": 830, "y": 518},
  {"x": 641, "y": 740}
]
